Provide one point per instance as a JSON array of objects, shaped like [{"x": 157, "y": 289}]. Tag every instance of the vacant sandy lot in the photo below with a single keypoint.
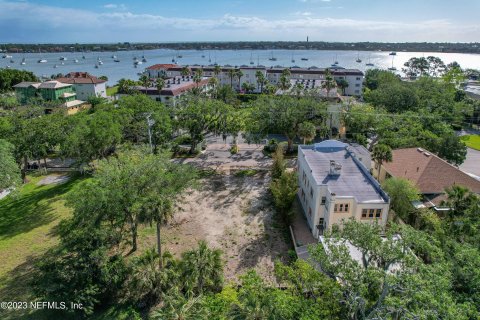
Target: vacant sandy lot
[{"x": 233, "y": 214}]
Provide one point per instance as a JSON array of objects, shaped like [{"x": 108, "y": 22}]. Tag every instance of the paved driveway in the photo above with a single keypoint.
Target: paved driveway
[{"x": 472, "y": 163}]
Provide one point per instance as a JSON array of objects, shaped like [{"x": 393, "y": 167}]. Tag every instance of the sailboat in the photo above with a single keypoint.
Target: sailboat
[
  {"x": 209, "y": 57},
  {"x": 116, "y": 59},
  {"x": 393, "y": 53},
  {"x": 293, "y": 59},
  {"x": 24, "y": 61},
  {"x": 41, "y": 60},
  {"x": 272, "y": 58},
  {"x": 75, "y": 61},
  {"x": 358, "y": 58},
  {"x": 335, "y": 63},
  {"x": 392, "y": 68},
  {"x": 251, "y": 59},
  {"x": 63, "y": 58},
  {"x": 83, "y": 57},
  {"x": 7, "y": 56},
  {"x": 369, "y": 63}
]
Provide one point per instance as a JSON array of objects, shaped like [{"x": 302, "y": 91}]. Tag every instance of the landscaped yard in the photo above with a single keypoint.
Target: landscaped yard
[
  {"x": 111, "y": 91},
  {"x": 27, "y": 230},
  {"x": 472, "y": 141}
]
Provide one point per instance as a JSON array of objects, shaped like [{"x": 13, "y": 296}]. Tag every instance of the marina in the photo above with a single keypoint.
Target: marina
[{"x": 117, "y": 65}]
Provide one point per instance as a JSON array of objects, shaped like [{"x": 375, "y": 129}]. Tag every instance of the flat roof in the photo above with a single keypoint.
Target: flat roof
[{"x": 352, "y": 181}]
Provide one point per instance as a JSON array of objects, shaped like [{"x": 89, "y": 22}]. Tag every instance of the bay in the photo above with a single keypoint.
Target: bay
[{"x": 125, "y": 68}]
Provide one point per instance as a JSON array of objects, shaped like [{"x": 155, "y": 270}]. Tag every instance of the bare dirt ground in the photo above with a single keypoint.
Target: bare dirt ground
[{"x": 235, "y": 215}]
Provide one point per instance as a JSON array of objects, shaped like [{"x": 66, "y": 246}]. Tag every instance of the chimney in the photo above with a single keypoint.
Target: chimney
[{"x": 335, "y": 168}]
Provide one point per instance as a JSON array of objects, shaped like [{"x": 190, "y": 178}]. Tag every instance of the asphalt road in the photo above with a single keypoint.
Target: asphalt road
[{"x": 472, "y": 163}]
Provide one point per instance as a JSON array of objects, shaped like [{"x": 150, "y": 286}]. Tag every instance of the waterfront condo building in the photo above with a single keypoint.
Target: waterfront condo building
[
  {"x": 335, "y": 185},
  {"x": 312, "y": 76}
]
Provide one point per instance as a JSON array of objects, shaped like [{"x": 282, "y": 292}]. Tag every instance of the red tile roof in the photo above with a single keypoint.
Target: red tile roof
[
  {"x": 165, "y": 66},
  {"x": 431, "y": 174},
  {"x": 80, "y": 78}
]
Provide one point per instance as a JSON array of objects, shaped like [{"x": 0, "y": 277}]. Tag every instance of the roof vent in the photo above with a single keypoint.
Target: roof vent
[
  {"x": 420, "y": 150},
  {"x": 335, "y": 168},
  {"x": 427, "y": 154}
]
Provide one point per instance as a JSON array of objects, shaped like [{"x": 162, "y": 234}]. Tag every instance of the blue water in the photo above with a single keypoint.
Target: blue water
[{"x": 125, "y": 69}]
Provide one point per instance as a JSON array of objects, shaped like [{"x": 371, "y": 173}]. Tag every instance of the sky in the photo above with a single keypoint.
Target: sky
[{"x": 90, "y": 21}]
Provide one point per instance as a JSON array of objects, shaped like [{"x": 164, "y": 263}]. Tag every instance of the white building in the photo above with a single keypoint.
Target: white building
[
  {"x": 173, "y": 89},
  {"x": 335, "y": 185},
  {"x": 354, "y": 77},
  {"x": 85, "y": 85}
]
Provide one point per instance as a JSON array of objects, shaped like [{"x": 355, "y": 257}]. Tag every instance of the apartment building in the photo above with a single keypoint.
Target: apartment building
[
  {"x": 354, "y": 77},
  {"x": 335, "y": 185}
]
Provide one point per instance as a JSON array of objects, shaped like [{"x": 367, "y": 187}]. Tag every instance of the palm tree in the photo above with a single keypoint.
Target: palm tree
[
  {"x": 178, "y": 307},
  {"x": 159, "y": 208},
  {"x": 197, "y": 78},
  {"x": 329, "y": 82},
  {"x": 160, "y": 83},
  {"x": 149, "y": 281},
  {"x": 248, "y": 87},
  {"x": 231, "y": 74},
  {"x": 284, "y": 82},
  {"x": 185, "y": 71},
  {"x": 307, "y": 131},
  {"x": 145, "y": 81},
  {"x": 342, "y": 84},
  {"x": 381, "y": 153},
  {"x": 203, "y": 269},
  {"x": 217, "y": 70},
  {"x": 213, "y": 83},
  {"x": 458, "y": 200},
  {"x": 260, "y": 79},
  {"x": 239, "y": 75}
]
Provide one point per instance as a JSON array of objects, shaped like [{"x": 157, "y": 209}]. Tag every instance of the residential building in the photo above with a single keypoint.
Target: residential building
[
  {"x": 85, "y": 85},
  {"x": 429, "y": 173},
  {"x": 472, "y": 89},
  {"x": 174, "y": 88},
  {"x": 335, "y": 185},
  {"x": 354, "y": 77},
  {"x": 52, "y": 91}
]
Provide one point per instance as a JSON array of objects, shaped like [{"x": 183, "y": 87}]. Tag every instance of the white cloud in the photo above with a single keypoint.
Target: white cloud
[
  {"x": 303, "y": 13},
  {"x": 115, "y": 6},
  {"x": 28, "y": 22}
]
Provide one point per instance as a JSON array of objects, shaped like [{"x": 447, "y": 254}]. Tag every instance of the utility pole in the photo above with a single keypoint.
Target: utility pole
[{"x": 150, "y": 123}]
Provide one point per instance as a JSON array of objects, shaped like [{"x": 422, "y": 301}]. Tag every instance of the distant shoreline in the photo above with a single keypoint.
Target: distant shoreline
[{"x": 472, "y": 48}]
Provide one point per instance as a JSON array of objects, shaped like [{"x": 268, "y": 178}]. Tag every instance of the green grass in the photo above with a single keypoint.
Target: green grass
[
  {"x": 472, "y": 141},
  {"x": 112, "y": 90},
  {"x": 28, "y": 223}
]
